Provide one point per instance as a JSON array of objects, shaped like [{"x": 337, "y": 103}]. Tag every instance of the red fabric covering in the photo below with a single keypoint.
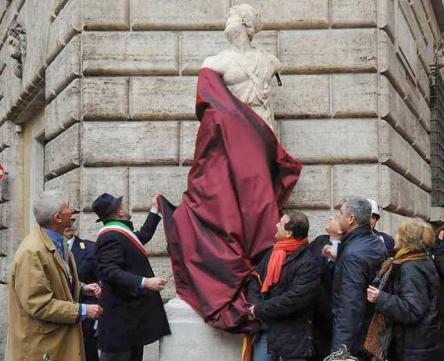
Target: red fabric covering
[{"x": 240, "y": 178}]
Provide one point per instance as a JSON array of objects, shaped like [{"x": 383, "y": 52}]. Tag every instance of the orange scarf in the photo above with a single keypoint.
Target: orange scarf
[{"x": 281, "y": 250}]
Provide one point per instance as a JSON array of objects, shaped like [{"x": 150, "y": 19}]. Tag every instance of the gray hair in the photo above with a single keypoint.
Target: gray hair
[
  {"x": 250, "y": 17},
  {"x": 360, "y": 208},
  {"x": 46, "y": 205}
]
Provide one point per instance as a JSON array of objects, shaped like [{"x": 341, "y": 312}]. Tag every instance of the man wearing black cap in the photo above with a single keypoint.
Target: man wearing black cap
[{"x": 133, "y": 310}]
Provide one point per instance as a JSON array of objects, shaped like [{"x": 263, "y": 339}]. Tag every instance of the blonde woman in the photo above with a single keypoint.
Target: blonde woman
[{"x": 407, "y": 299}]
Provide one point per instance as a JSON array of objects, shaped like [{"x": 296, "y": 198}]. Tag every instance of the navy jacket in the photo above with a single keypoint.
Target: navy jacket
[
  {"x": 86, "y": 262},
  {"x": 360, "y": 255},
  {"x": 131, "y": 316}
]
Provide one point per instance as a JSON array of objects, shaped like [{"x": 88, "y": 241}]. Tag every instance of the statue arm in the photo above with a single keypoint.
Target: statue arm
[
  {"x": 276, "y": 64},
  {"x": 215, "y": 63}
]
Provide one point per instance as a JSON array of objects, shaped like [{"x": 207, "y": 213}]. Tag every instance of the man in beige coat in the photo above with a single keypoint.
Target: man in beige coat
[{"x": 44, "y": 310}]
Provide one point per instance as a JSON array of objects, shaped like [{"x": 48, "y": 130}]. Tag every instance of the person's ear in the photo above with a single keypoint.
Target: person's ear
[{"x": 56, "y": 218}]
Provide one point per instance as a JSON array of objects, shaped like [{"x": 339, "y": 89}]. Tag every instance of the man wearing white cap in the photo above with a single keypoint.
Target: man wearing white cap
[{"x": 387, "y": 239}]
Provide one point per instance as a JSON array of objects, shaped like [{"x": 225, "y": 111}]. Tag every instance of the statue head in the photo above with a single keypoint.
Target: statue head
[{"x": 242, "y": 18}]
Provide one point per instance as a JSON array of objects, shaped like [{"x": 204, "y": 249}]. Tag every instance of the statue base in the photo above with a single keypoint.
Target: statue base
[{"x": 192, "y": 339}]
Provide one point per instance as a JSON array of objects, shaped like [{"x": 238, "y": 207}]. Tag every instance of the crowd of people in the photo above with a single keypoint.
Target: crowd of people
[
  {"x": 354, "y": 290},
  {"x": 354, "y": 293}
]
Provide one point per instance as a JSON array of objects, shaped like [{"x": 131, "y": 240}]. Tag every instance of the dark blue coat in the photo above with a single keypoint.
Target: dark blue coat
[
  {"x": 360, "y": 255},
  {"x": 86, "y": 263},
  {"x": 132, "y": 316}
]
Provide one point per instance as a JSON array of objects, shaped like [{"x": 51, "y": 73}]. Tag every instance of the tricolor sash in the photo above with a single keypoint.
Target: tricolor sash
[{"x": 126, "y": 231}]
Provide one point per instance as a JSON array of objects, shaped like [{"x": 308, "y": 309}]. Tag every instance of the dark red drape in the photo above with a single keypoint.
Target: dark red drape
[{"x": 240, "y": 179}]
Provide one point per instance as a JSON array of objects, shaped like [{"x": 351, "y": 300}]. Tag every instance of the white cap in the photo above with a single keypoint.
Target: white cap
[{"x": 375, "y": 208}]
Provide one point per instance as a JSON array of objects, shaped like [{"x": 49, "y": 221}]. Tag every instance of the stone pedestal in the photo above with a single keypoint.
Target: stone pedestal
[{"x": 191, "y": 339}]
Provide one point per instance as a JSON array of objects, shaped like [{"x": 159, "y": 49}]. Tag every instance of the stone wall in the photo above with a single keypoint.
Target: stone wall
[{"x": 116, "y": 79}]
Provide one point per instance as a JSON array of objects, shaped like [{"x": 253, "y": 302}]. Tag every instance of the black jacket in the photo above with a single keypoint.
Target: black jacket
[
  {"x": 388, "y": 241},
  {"x": 323, "y": 319},
  {"x": 360, "y": 255},
  {"x": 84, "y": 255},
  {"x": 411, "y": 306},
  {"x": 287, "y": 308},
  {"x": 132, "y": 316}
]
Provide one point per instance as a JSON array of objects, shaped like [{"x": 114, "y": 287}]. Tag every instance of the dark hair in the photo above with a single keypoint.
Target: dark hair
[
  {"x": 298, "y": 224},
  {"x": 438, "y": 231}
]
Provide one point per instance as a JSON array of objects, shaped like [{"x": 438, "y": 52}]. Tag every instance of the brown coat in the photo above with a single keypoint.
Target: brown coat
[{"x": 43, "y": 314}]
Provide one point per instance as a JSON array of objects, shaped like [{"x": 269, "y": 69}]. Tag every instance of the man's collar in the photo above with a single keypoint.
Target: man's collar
[
  {"x": 55, "y": 236},
  {"x": 364, "y": 229},
  {"x": 128, "y": 224}
]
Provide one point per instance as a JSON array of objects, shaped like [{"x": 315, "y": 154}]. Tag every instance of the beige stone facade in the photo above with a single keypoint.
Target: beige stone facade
[{"x": 101, "y": 98}]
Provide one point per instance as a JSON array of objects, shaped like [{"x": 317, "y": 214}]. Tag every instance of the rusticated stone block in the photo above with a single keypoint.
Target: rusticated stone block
[
  {"x": 162, "y": 268},
  {"x": 105, "y": 98},
  {"x": 188, "y": 133},
  {"x": 318, "y": 219},
  {"x": 355, "y": 180},
  {"x": 426, "y": 176},
  {"x": 425, "y": 114},
  {"x": 386, "y": 17},
  {"x": 63, "y": 152},
  {"x": 58, "y": 5},
  {"x": 6, "y": 134},
  {"x": 162, "y": 98},
  {"x": 157, "y": 246},
  {"x": 395, "y": 111},
  {"x": 415, "y": 167},
  {"x": 355, "y": 95},
  {"x": 145, "y": 182},
  {"x": 95, "y": 181},
  {"x": 328, "y": 141},
  {"x": 2, "y": 9},
  {"x": 4, "y": 215},
  {"x": 130, "y": 53},
  {"x": 69, "y": 183},
  {"x": 87, "y": 226},
  {"x": 211, "y": 43},
  {"x": 437, "y": 214},
  {"x": 4, "y": 247},
  {"x": 106, "y": 14},
  {"x": 353, "y": 13},
  {"x": 313, "y": 188},
  {"x": 4, "y": 269},
  {"x": 64, "y": 68},
  {"x": 66, "y": 25},
  {"x": 393, "y": 69},
  {"x": 284, "y": 14},
  {"x": 36, "y": 39},
  {"x": 397, "y": 193},
  {"x": 294, "y": 101},
  {"x": 176, "y": 14},
  {"x": 406, "y": 39},
  {"x": 134, "y": 143},
  {"x": 64, "y": 110},
  {"x": 423, "y": 203},
  {"x": 393, "y": 149},
  {"x": 328, "y": 50},
  {"x": 421, "y": 140}
]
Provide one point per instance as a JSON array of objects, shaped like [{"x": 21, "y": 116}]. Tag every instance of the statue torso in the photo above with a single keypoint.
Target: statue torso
[{"x": 248, "y": 75}]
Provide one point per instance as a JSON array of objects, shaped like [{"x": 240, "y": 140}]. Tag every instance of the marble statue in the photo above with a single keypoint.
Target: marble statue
[{"x": 246, "y": 70}]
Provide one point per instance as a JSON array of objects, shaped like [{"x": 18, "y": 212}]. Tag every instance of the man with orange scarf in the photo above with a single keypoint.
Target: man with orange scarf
[{"x": 289, "y": 278}]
